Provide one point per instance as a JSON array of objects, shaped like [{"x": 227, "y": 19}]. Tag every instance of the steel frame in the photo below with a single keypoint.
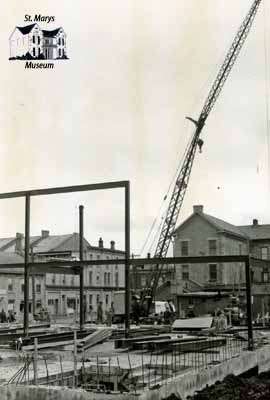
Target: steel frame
[
  {"x": 74, "y": 267},
  {"x": 58, "y": 266}
]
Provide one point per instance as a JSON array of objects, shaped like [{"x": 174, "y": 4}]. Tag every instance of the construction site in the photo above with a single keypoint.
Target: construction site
[{"x": 164, "y": 332}]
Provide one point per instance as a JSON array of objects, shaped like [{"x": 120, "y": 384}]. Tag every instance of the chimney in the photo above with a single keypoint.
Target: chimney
[
  {"x": 45, "y": 234},
  {"x": 198, "y": 209},
  {"x": 100, "y": 243},
  {"x": 112, "y": 245},
  {"x": 255, "y": 222},
  {"x": 18, "y": 243}
]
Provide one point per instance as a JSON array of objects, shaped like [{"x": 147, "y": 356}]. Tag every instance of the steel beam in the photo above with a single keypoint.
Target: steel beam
[
  {"x": 65, "y": 189},
  {"x": 249, "y": 305},
  {"x": 26, "y": 264},
  {"x": 81, "y": 220},
  {"x": 127, "y": 259}
]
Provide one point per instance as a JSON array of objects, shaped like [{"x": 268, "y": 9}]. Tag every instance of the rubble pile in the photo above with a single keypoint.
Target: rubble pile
[{"x": 236, "y": 388}]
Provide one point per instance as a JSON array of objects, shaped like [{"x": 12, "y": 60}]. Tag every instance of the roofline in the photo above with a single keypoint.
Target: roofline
[{"x": 204, "y": 216}]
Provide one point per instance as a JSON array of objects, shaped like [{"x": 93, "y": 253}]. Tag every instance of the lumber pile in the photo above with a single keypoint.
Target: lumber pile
[{"x": 100, "y": 335}]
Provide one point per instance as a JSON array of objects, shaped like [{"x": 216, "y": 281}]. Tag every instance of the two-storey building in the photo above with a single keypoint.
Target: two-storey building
[{"x": 201, "y": 235}]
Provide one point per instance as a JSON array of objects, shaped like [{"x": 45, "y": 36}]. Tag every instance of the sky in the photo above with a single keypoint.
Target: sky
[{"x": 116, "y": 111}]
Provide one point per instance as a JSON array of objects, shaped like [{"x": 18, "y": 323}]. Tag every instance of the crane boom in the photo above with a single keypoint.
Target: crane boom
[{"x": 182, "y": 180}]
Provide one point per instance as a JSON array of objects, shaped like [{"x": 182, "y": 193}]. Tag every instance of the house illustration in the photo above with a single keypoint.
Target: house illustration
[{"x": 30, "y": 42}]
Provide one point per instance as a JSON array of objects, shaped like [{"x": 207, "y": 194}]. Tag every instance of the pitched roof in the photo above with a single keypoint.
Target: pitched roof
[
  {"x": 52, "y": 243},
  {"x": 26, "y": 29},
  {"x": 256, "y": 231},
  {"x": 50, "y": 33},
  {"x": 219, "y": 224},
  {"x": 10, "y": 258},
  {"x": 224, "y": 226}
]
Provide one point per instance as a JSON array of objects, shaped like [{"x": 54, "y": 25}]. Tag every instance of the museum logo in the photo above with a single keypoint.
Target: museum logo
[{"x": 39, "y": 48}]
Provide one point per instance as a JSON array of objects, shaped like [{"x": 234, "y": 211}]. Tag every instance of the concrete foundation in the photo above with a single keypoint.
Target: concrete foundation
[
  {"x": 12, "y": 392},
  {"x": 182, "y": 386}
]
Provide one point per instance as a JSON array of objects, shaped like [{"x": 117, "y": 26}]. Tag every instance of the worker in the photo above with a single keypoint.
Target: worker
[
  {"x": 109, "y": 315},
  {"x": 91, "y": 313},
  {"x": 100, "y": 313},
  {"x": 220, "y": 323},
  {"x": 136, "y": 311},
  {"x": 167, "y": 315}
]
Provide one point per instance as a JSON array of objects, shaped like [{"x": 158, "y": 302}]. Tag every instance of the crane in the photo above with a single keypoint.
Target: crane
[{"x": 182, "y": 180}]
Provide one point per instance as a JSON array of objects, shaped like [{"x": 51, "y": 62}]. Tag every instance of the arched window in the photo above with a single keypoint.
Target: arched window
[
  {"x": 34, "y": 39},
  {"x": 63, "y": 41},
  {"x": 59, "y": 41}
]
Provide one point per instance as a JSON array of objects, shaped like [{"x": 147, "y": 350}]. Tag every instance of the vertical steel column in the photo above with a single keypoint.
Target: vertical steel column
[
  {"x": 33, "y": 286},
  {"x": 81, "y": 268},
  {"x": 127, "y": 263},
  {"x": 26, "y": 264},
  {"x": 249, "y": 306}
]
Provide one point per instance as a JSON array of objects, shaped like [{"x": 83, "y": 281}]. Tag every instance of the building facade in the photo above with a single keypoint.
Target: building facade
[
  {"x": 35, "y": 42},
  {"x": 61, "y": 291},
  {"x": 202, "y": 235},
  {"x": 12, "y": 286}
]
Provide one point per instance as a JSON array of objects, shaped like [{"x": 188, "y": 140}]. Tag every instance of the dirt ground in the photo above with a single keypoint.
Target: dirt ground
[{"x": 236, "y": 388}]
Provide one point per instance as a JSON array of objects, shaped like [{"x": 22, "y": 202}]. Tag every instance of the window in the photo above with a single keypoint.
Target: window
[
  {"x": 22, "y": 287},
  {"x": 264, "y": 253},
  {"x": 38, "y": 288},
  {"x": 90, "y": 299},
  {"x": 184, "y": 248},
  {"x": 90, "y": 277},
  {"x": 60, "y": 52},
  {"x": 53, "y": 279},
  {"x": 107, "y": 299},
  {"x": 50, "y": 302},
  {"x": 72, "y": 281},
  {"x": 109, "y": 278},
  {"x": 97, "y": 298},
  {"x": 213, "y": 272},
  {"x": 265, "y": 276},
  {"x": 64, "y": 279},
  {"x": 38, "y": 39},
  {"x": 34, "y": 52},
  {"x": 11, "y": 304},
  {"x": 116, "y": 276},
  {"x": 63, "y": 41},
  {"x": 10, "y": 286},
  {"x": 143, "y": 280},
  {"x": 34, "y": 40},
  {"x": 105, "y": 278},
  {"x": 59, "y": 41},
  {"x": 185, "y": 272},
  {"x": 97, "y": 278},
  {"x": 212, "y": 247}
]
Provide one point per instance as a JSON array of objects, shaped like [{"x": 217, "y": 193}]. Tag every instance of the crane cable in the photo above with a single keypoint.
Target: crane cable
[{"x": 161, "y": 206}]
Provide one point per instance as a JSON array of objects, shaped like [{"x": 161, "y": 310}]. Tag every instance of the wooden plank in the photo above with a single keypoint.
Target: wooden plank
[{"x": 192, "y": 323}]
